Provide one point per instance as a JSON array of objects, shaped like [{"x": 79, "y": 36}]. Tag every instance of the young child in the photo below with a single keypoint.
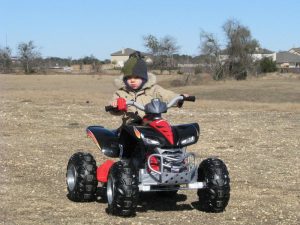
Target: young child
[{"x": 138, "y": 85}]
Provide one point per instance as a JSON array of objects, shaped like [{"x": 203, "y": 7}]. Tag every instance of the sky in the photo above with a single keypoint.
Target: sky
[{"x": 79, "y": 28}]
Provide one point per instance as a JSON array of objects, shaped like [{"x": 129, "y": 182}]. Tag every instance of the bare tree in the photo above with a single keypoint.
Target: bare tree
[
  {"x": 209, "y": 44},
  {"x": 162, "y": 50},
  {"x": 152, "y": 44},
  {"x": 154, "y": 48},
  {"x": 5, "y": 60},
  {"x": 169, "y": 48},
  {"x": 240, "y": 47},
  {"x": 29, "y": 56},
  {"x": 210, "y": 49}
]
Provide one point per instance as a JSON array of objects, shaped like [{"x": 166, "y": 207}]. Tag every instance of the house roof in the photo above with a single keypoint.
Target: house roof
[
  {"x": 297, "y": 50},
  {"x": 126, "y": 52},
  {"x": 287, "y": 57},
  {"x": 263, "y": 51}
]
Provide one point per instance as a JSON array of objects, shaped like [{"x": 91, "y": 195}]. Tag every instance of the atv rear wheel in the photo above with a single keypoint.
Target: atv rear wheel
[
  {"x": 215, "y": 196},
  {"x": 122, "y": 189},
  {"x": 81, "y": 177}
]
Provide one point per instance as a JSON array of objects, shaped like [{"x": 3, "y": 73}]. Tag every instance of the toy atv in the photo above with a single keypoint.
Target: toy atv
[{"x": 153, "y": 158}]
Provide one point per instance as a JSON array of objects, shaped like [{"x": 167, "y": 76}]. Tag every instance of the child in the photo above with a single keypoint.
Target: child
[{"x": 138, "y": 85}]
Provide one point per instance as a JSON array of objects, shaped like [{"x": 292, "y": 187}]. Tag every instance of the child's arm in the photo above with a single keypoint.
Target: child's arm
[
  {"x": 167, "y": 95},
  {"x": 164, "y": 94}
]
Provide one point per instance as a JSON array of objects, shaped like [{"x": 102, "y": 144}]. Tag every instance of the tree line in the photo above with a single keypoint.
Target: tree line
[
  {"x": 29, "y": 59},
  {"x": 239, "y": 49},
  {"x": 240, "y": 45}
]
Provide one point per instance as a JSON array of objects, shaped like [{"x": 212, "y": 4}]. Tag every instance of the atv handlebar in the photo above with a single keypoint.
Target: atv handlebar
[
  {"x": 190, "y": 98},
  {"x": 173, "y": 102},
  {"x": 181, "y": 98}
]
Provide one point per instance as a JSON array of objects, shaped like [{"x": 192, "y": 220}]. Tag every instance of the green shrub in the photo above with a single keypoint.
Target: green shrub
[{"x": 267, "y": 65}]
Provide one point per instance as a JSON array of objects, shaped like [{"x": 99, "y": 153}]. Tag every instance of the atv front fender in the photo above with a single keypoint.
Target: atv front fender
[{"x": 106, "y": 140}]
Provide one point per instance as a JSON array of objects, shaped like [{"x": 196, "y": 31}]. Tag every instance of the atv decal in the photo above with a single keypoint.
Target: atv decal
[
  {"x": 91, "y": 135},
  {"x": 164, "y": 128},
  {"x": 137, "y": 133}
]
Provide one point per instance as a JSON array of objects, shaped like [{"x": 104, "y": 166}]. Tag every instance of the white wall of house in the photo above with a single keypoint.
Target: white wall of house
[
  {"x": 119, "y": 60},
  {"x": 257, "y": 57}
]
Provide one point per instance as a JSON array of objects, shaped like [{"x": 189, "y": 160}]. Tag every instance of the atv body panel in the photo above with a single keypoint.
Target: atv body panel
[
  {"x": 179, "y": 135},
  {"x": 106, "y": 140}
]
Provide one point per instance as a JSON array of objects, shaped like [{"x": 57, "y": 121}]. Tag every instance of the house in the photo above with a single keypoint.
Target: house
[
  {"x": 120, "y": 57},
  {"x": 261, "y": 53},
  {"x": 258, "y": 54},
  {"x": 287, "y": 59},
  {"x": 295, "y": 51}
]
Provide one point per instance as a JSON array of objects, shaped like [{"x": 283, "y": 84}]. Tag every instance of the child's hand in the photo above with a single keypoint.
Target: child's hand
[{"x": 119, "y": 104}]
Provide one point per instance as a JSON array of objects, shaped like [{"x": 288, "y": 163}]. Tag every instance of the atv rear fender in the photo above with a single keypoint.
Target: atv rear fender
[{"x": 106, "y": 140}]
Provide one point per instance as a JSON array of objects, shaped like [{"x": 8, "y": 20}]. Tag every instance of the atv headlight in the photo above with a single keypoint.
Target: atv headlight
[
  {"x": 188, "y": 140},
  {"x": 151, "y": 141}
]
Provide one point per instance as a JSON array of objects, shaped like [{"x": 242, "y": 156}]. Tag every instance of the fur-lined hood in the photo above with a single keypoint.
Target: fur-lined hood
[{"x": 119, "y": 83}]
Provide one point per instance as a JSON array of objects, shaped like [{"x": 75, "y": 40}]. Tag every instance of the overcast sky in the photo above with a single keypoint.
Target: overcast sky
[{"x": 78, "y": 28}]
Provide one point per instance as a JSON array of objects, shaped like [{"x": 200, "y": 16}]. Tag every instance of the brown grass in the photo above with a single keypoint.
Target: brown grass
[{"x": 252, "y": 125}]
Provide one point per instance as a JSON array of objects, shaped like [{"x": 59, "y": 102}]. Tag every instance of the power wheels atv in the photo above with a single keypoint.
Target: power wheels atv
[{"x": 153, "y": 158}]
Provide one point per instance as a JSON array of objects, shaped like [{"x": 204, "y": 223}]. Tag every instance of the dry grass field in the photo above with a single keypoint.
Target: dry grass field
[{"x": 253, "y": 126}]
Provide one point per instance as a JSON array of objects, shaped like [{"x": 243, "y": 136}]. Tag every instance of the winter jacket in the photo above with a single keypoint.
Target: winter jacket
[{"x": 143, "y": 96}]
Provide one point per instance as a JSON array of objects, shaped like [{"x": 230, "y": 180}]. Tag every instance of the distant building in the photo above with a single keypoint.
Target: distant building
[
  {"x": 15, "y": 59},
  {"x": 287, "y": 59},
  {"x": 295, "y": 51},
  {"x": 261, "y": 53},
  {"x": 284, "y": 59},
  {"x": 256, "y": 56},
  {"x": 120, "y": 57}
]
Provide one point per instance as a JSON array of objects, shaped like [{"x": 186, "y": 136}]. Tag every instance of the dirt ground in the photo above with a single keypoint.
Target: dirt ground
[{"x": 253, "y": 126}]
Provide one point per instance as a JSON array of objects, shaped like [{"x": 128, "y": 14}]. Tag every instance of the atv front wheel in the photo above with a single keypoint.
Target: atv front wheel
[
  {"x": 215, "y": 196},
  {"x": 81, "y": 177},
  {"x": 122, "y": 189}
]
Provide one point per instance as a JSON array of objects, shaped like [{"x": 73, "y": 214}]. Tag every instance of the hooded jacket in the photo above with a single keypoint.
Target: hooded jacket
[{"x": 142, "y": 96}]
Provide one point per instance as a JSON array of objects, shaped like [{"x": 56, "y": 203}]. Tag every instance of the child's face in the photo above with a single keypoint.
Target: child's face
[{"x": 134, "y": 82}]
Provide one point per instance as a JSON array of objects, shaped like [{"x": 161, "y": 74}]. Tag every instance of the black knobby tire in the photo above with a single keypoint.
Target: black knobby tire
[
  {"x": 81, "y": 177},
  {"x": 215, "y": 197},
  {"x": 122, "y": 189}
]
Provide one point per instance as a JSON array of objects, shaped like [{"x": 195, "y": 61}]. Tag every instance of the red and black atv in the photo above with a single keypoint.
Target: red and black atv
[{"x": 153, "y": 158}]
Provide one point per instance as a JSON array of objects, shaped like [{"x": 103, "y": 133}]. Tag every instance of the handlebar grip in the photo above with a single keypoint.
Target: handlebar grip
[
  {"x": 109, "y": 108},
  {"x": 190, "y": 98}
]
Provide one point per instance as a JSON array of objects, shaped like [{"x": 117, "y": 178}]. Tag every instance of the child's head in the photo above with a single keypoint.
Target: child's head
[
  {"x": 135, "y": 71},
  {"x": 134, "y": 82}
]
